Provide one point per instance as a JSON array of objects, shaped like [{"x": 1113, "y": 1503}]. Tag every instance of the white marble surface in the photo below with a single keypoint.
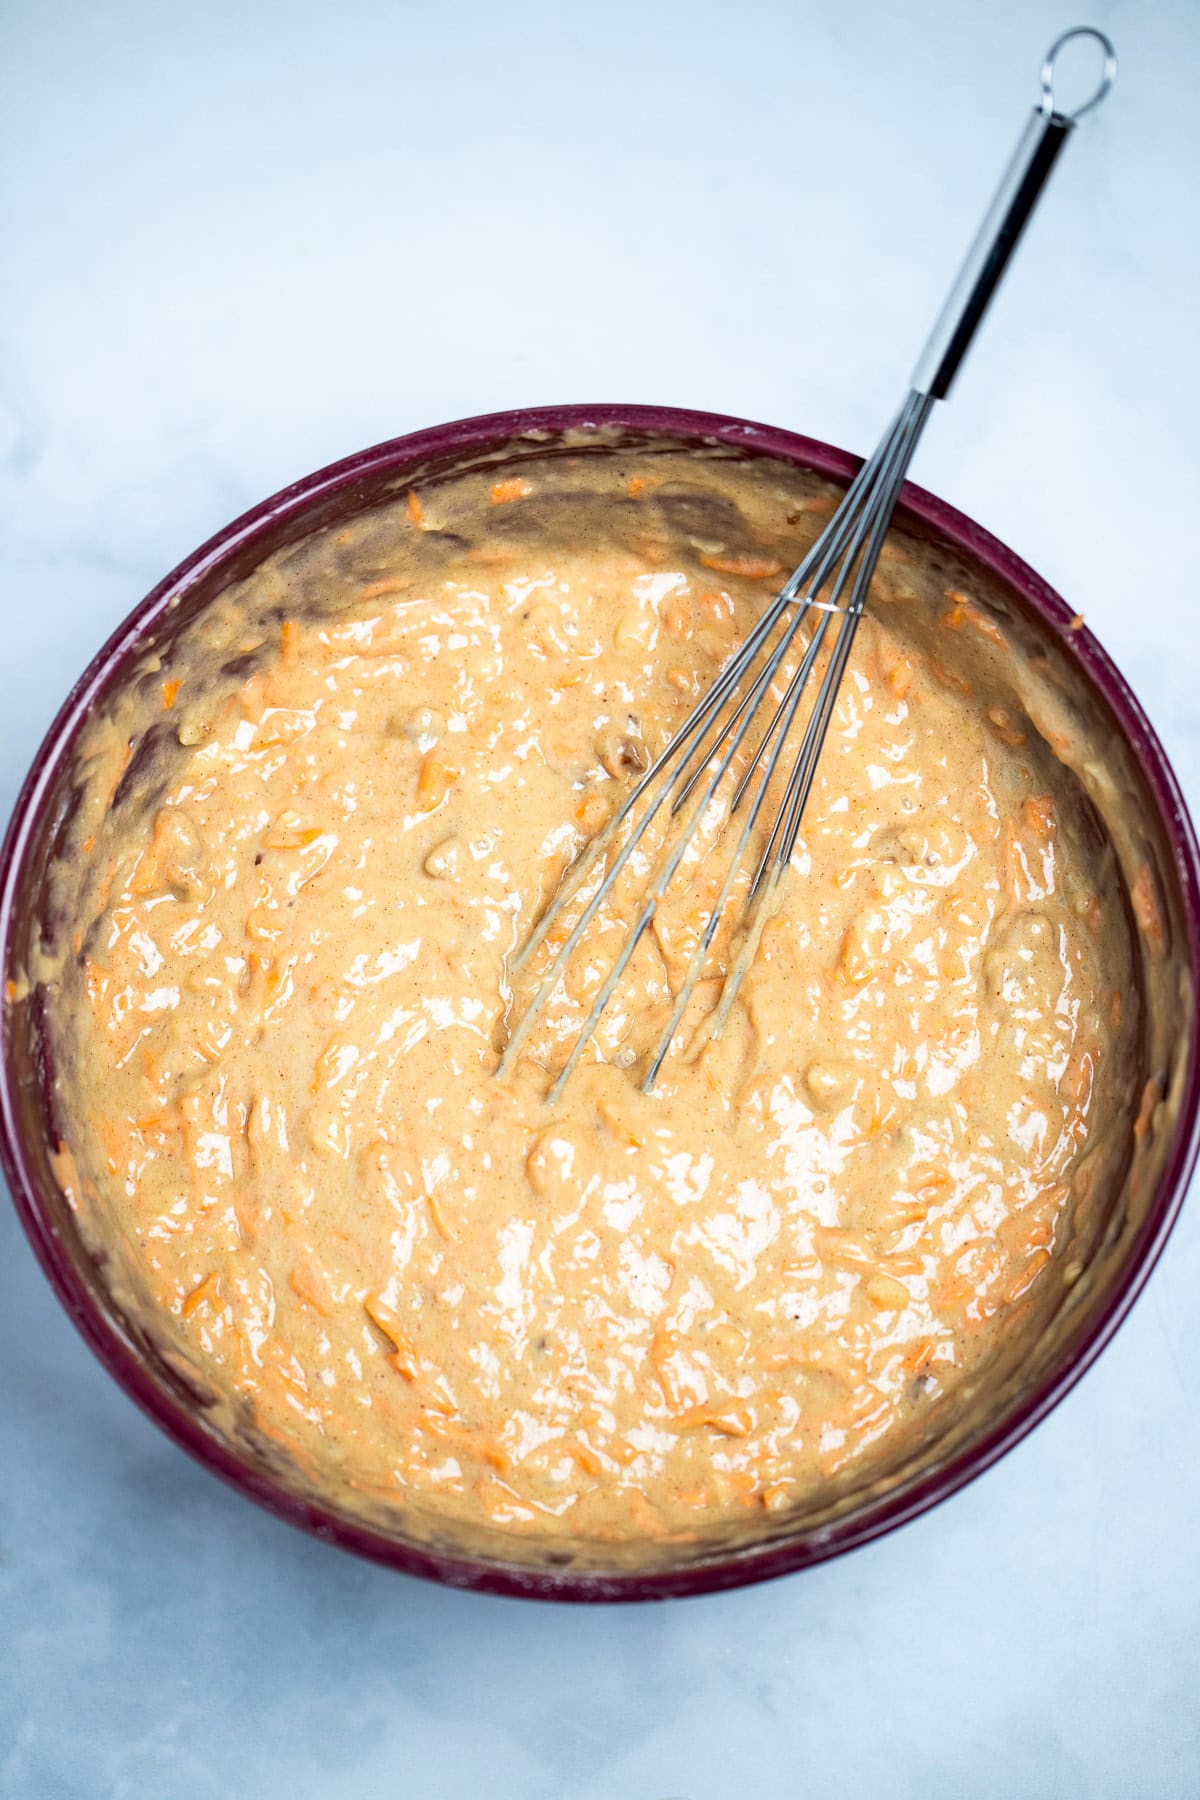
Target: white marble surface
[{"x": 242, "y": 240}]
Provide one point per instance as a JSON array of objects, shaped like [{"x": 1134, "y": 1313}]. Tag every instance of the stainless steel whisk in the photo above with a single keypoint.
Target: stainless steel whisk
[{"x": 832, "y": 581}]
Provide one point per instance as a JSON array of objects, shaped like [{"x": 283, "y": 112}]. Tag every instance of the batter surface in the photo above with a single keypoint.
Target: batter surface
[{"x": 276, "y": 1035}]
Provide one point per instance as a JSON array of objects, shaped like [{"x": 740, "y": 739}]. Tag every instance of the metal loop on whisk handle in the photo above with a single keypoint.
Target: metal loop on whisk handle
[{"x": 1044, "y": 136}]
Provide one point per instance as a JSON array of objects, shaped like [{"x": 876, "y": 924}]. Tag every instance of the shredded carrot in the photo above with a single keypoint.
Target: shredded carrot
[
  {"x": 919, "y": 1356},
  {"x": 811, "y": 1356},
  {"x": 434, "y": 783},
  {"x": 1093, "y": 917},
  {"x": 1001, "y": 723},
  {"x": 664, "y": 1346},
  {"x": 282, "y": 1374},
  {"x": 1038, "y": 812},
  {"x": 404, "y": 1357},
  {"x": 636, "y": 486},
  {"x": 1150, "y": 1098},
  {"x": 1029, "y": 1274},
  {"x": 986, "y": 627},
  {"x": 114, "y": 1144},
  {"x": 962, "y": 607},
  {"x": 118, "y": 773},
  {"x": 718, "y": 605},
  {"x": 307, "y": 1284},
  {"x": 696, "y": 1497},
  {"x": 743, "y": 1485},
  {"x": 1040, "y": 1235},
  {"x": 618, "y": 1124},
  {"x": 1013, "y": 870},
  {"x": 289, "y": 642},
  {"x": 416, "y": 511},
  {"x": 646, "y": 1518},
  {"x": 677, "y": 616},
  {"x": 333, "y": 1065},
  {"x": 1077, "y": 622},
  {"x": 1143, "y": 896},
  {"x": 514, "y": 488},
  {"x": 867, "y": 1404},
  {"x": 857, "y": 962},
  {"x": 10, "y": 992},
  {"x": 439, "y": 1218},
  {"x": 467, "y": 1442},
  {"x": 886, "y": 1293},
  {"x": 834, "y": 1460},
  {"x": 820, "y": 506},
  {"x": 291, "y": 840},
  {"x": 956, "y": 1295},
  {"x": 842, "y": 1250},
  {"x": 96, "y": 982},
  {"x": 591, "y": 813},
  {"x": 1078, "y": 1076},
  {"x": 390, "y": 584},
  {"x": 732, "y": 1419},
  {"x": 262, "y": 927},
  {"x": 587, "y": 1459},
  {"x": 170, "y": 691},
  {"x": 262, "y": 968},
  {"x": 950, "y": 678},
  {"x": 754, "y": 568},
  {"x": 246, "y": 1214},
  {"x": 282, "y": 728},
  {"x": 207, "y": 1294},
  {"x": 653, "y": 549}
]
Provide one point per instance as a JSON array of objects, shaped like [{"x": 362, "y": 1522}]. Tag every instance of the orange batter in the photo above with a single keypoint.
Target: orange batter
[{"x": 636, "y": 1313}]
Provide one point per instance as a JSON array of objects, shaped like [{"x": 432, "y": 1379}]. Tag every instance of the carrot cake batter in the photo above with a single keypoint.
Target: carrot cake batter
[{"x": 313, "y": 842}]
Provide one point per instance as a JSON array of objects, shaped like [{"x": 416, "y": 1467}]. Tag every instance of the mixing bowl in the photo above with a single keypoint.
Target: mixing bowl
[{"x": 1125, "y": 781}]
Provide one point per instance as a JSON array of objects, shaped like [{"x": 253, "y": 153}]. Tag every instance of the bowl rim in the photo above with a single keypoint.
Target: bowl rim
[{"x": 743, "y": 1567}]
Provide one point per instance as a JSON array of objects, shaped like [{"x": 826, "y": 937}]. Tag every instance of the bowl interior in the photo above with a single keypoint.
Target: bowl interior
[{"x": 1078, "y": 705}]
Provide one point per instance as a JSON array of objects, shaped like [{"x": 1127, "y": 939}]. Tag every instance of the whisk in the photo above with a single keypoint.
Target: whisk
[{"x": 832, "y": 583}]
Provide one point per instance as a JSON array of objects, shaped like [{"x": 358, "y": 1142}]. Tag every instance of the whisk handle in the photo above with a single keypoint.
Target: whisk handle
[{"x": 1044, "y": 136}]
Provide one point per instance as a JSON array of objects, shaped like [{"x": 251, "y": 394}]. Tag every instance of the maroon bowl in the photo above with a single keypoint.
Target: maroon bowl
[{"x": 28, "y": 1131}]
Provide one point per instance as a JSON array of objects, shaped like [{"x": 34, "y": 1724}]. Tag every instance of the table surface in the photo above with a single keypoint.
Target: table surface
[{"x": 243, "y": 240}]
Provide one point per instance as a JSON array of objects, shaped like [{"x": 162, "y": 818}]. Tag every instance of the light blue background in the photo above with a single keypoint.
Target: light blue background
[{"x": 243, "y": 240}]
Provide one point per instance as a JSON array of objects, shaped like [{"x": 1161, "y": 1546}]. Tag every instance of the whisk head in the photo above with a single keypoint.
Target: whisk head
[{"x": 727, "y": 756}]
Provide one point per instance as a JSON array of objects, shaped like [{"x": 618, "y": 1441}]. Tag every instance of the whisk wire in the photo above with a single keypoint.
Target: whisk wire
[
  {"x": 709, "y": 740},
  {"x": 697, "y": 725},
  {"x": 781, "y": 843},
  {"x": 916, "y": 410},
  {"x": 699, "y": 720},
  {"x": 664, "y": 872},
  {"x": 843, "y": 558},
  {"x": 896, "y": 453}
]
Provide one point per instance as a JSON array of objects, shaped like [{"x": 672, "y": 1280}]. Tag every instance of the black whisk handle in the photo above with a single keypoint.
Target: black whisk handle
[{"x": 1017, "y": 196}]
